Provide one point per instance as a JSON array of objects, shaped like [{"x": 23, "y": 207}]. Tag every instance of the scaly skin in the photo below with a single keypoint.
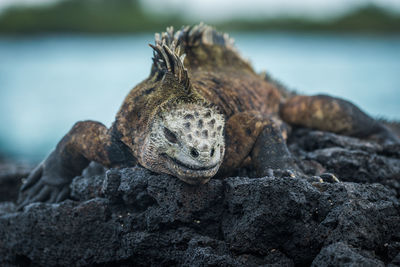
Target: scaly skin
[{"x": 196, "y": 117}]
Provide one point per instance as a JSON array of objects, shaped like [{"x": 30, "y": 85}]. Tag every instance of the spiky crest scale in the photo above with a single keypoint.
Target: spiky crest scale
[
  {"x": 170, "y": 46},
  {"x": 205, "y": 34},
  {"x": 168, "y": 57}
]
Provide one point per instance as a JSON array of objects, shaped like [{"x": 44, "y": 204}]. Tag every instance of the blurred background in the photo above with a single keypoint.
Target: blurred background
[{"x": 67, "y": 60}]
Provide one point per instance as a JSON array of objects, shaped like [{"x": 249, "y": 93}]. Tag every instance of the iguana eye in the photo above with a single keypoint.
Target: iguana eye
[{"x": 170, "y": 136}]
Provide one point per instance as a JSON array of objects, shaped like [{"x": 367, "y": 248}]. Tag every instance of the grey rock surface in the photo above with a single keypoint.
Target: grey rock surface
[
  {"x": 340, "y": 254},
  {"x": 131, "y": 216}
]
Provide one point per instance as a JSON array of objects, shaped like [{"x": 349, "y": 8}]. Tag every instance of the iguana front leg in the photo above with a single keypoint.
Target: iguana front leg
[
  {"x": 335, "y": 115},
  {"x": 252, "y": 138},
  {"x": 270, "y": 151},
  {"x": 86, "y": 141}
]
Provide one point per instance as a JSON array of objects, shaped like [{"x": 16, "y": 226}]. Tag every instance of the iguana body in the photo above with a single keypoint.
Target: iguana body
[{"x": 195, "y": 117}]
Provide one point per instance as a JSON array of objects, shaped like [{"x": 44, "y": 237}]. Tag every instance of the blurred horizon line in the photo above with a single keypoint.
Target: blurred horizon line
[
  {"x": 99, "y": 16},
  {"x": 200, "y": 9}
]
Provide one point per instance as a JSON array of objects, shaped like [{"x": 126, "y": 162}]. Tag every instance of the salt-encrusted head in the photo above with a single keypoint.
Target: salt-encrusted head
[{"x": 187, "y": 142}]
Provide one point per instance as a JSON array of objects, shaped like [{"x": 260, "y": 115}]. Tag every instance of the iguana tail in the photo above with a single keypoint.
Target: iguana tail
[{"x": 393, "y": 125}]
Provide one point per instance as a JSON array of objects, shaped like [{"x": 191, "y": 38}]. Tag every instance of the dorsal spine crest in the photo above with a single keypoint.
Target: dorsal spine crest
[
  {"x": 170, "y": 46},
  {"x": 168, "y": 57}
]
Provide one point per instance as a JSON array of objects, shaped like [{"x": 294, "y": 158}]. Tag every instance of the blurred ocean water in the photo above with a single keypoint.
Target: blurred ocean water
[{"x": 48, "y": 83}]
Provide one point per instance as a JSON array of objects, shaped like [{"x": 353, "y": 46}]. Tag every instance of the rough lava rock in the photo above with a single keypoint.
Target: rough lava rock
[
  {"x": 340, "y": 254},
  {"x": 132, "y": 216},
  {"x": 10, "y": 178}
]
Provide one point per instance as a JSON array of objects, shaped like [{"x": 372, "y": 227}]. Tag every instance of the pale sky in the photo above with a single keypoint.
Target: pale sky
[{"x": 222, "y": 9}]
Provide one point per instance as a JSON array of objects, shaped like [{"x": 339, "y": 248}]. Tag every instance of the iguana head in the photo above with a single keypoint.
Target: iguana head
[
  {"x": 186, "y": 141},
  {"x": 185, "y": 134}
]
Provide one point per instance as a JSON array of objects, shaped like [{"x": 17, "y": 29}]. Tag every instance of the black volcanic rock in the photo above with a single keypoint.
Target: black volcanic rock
[
  {"x": 132, "y": 216},
  {"x": 351, "y": 159},
  {"x": 340, "y": 254}
]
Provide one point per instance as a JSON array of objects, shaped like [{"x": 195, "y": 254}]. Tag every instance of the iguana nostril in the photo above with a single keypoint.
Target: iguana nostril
[
  {"x": 194, "y": 153},
  {"x": 212, "y": 152}
]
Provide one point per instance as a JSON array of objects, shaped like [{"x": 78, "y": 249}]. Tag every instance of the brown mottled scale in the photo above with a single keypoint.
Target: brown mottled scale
[
  {"x": 222, "y": 77},
  {"x": 235, "y": 91}
]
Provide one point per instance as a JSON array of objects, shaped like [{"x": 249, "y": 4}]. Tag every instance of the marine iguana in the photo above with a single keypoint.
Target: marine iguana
[{"x": 202, "y": 112}]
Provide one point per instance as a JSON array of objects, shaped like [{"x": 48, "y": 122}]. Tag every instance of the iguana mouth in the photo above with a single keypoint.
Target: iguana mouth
[{"x": 188, "y": 167}]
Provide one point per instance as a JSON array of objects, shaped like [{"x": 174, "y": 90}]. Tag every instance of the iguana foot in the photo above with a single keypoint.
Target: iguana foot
[
  {"x": 270, "y": 152},
  {"x": 48, "y": 182},
  {"x": 86, "y": 141},
  {"x": 329, "y": 178}
]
